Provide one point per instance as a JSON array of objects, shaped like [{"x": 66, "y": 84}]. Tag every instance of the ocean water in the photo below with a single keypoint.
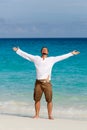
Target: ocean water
[{"x": 69, "y": 78}]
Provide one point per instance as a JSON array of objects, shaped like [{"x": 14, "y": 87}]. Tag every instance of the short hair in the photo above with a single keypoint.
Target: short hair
[{"x": 44, "y": 47}]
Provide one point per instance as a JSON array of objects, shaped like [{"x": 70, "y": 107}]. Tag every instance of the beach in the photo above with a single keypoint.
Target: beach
[
  {"x": 69, "y": 84},
  {"x": 28, "y": 123}
]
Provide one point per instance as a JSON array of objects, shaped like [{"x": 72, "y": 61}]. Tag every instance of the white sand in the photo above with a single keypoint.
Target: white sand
[{"x": 25, "y": 123}]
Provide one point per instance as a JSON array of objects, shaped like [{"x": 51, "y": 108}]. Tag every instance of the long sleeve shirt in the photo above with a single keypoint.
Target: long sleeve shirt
[{"x": 43, "y": 66}]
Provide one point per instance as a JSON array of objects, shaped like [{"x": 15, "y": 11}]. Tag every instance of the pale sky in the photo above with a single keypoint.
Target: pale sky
[{"x": 43, "y": 18}]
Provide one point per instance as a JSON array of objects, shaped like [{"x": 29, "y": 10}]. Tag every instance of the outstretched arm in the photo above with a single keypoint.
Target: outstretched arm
[
  {"x": 23, "y": 54},
  {"x": 62, "y": 57}
]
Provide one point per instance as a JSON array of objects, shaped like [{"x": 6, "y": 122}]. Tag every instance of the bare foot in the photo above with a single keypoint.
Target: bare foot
[
  {"x": 36, "y": 117},
  {"x": 51, "y": 118}
]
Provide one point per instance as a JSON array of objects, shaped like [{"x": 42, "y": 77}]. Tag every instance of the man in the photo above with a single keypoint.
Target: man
[{"x": 43, "y": 66}]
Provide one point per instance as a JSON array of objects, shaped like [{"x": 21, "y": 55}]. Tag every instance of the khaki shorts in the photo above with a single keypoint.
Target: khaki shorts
[{"x": 40, "y": 88}]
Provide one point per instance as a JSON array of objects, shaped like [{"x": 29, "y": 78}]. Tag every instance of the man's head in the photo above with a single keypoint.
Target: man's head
[{"x": 44, "y": 51}]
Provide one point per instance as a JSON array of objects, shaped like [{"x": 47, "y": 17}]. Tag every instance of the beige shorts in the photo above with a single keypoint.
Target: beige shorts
[{"x": 40, "y": 88}]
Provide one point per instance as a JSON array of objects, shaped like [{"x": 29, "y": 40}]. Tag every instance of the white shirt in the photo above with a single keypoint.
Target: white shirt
[{"x": 43, "y": 66}]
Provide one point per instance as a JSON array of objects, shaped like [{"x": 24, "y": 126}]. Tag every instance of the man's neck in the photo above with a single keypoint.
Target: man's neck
[{"x": 44, "y": 56}]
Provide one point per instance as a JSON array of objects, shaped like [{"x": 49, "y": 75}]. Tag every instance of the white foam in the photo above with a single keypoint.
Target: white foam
[{"x": 27, "y": 109}]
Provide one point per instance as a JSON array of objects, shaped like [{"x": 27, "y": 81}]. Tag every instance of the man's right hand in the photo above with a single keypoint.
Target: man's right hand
[{"x": 15, "y": 48}]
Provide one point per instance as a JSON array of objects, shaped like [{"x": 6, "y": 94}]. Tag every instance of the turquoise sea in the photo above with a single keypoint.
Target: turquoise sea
[{"x": 69, "y": 78}]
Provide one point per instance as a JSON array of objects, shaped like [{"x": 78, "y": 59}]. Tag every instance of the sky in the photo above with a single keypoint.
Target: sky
[{"x": 43, "y": 18}]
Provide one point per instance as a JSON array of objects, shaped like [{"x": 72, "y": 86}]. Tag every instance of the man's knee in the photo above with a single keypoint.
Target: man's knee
[{"x": 48, "y": 98}]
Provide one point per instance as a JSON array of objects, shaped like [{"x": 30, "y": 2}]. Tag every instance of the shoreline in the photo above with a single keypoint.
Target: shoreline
[{"x": 12, "y": 122}]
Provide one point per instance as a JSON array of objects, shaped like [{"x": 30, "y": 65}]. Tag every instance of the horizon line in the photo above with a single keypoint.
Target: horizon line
[{"x": 43, "y": 37}]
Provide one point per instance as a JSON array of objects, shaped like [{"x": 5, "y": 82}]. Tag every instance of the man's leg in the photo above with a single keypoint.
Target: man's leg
[
  {"x": 48, "y": 97},
  {"x": 37, "y": 109},
  {"x": 37, "y": 97},
  {"x": 49, "y": 107}
]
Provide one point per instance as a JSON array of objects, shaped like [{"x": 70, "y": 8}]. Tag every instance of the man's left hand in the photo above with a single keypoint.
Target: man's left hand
[{"x": 75, "y": 52}]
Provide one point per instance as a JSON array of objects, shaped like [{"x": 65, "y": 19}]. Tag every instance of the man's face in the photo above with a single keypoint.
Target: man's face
[{"x": 45, "y": 51}]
